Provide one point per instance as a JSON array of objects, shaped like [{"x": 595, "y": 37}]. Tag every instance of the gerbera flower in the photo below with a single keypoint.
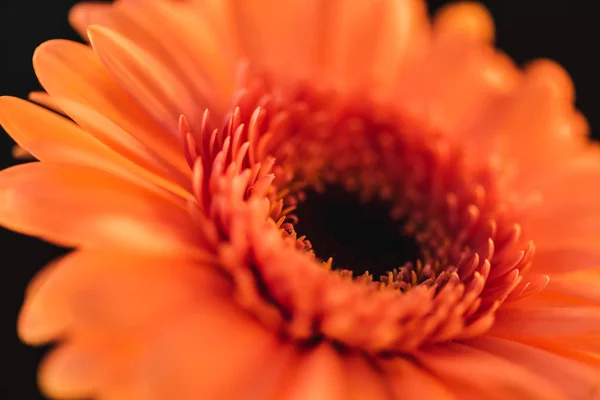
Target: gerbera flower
[{"x": 305, "y": 200}]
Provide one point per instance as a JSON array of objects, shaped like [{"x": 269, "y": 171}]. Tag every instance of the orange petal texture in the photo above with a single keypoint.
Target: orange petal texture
[{"x": 172, "y": 149}]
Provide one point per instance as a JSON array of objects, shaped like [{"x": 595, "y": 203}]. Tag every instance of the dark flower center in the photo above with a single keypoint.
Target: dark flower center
[{"x": 358, "y": 236}]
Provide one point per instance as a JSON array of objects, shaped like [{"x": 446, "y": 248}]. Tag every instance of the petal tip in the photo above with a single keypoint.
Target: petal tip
[
  {"x": 49, "y": 50},
  {"x": 45, "y": 48},
  {"x": 7, "y": 103},
  {"x": 97, "y": 32},
  {"x": 81, "y": 15},
  {"x": 468, "y": 19},
  {"x": 28, "y": 330}
]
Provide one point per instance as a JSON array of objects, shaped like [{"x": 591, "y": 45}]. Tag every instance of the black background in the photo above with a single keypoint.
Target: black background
[{"x": 564, "y": 30}]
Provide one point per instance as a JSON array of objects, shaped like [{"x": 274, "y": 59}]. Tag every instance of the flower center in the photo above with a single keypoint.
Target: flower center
[
  {"x": 359, "y": 236},
  {"x": 308, "y": 181}
]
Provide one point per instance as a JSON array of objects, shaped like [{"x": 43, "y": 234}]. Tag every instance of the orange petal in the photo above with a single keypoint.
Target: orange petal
[
  {"x": 160, "y": 92},
  {"x": 486, "y": 375},
  {"x": 552, "y": 75},
  {"x": 579, "y": 177},
  {"x": 570, "y": 348},
  {"x": 121, "y": 141},
  {"x": 214, "y": 353},
  {"x": 409, "y": 381},
  {"x": 548, "y": 321},
  {"x": 576, "y": 380},
  {"x": 466, "y": 20},
  {"x": 46, "y": 134},
  {"x": 536, "y": 117},
  {"x": 588, "y": 343},
  {"x": 72, "y": 371},
  {"x": 583, "y": 286},
  {"x": 319, "y": 375},
  {"x": 568, "y": 221},
  {"x": 82, "y": 15},
  {"x": 363, "y": 380},
  {"x": 403, "y": 38},
  {"x": 268, "y": 27},
  {"x": 175, "y": 44},
  {"x": 32, "y": 331},
  {"x": 87, "y": 207},
  {"x": 204, "y": 50},
  {"x": 353, "y": 33},
  {"x": 50, "y": 137},
  {"x": 86, "y": 367},
  {"x": 564, "y": 260},
  {"x": 44, "y": 99},
  {"x": 72, "y": 70},
  {"x": 102, "y": 292},
  {"x": 456, "y": 88}
]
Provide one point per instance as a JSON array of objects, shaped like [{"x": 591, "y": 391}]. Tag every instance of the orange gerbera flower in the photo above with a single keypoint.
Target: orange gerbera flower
[{"x": 206, "y": 139}]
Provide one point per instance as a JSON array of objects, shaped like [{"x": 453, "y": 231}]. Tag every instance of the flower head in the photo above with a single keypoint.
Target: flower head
[{"x": 305, "y": 199}]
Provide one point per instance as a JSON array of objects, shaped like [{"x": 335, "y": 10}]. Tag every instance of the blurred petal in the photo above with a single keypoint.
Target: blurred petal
[
  {"x": 104, "y": 292},
  {"x": 146, "y": 79},
  {"x": 72, "y": 371},
  {"x": 71, "y": 70},
  {"x": 546, "y": 321},
  {"x": 576, "y": 380},
  {"x": 409, "y": 381},
  {"x": 484, "y": 373},
  {"x": 50, "y": 137},
  {"x": 216, "y": 352},
  {"x": 318, "y": 375},
  {"x": 90, "y": 208},
  {"x": 364, "y": 379}
]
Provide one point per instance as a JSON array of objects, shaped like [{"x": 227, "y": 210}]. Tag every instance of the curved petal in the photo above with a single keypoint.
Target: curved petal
[
  {"x": 319, "y": 374},
  {"x": 52, "y": 138},
  {"x": 121, "y": 141},
  {"x": 99, "y": 291},
  {"x": 87, "y": 207},
  {"x": 466, "y": 20},
  {"x": 567, "y": 259},
  {"x": 582, "y": 286},
  {"x": 213, "y": 353},
  {"x": 543, "y": 322},
  {"x": 408, "y": 381},
  {"x": 543, "y": 117},
  {"x": 577, "y": 348},
  {"x": 82, "y": 15},
  {"x": 157, "y": 89},
  {"x": 403, "y": 37},
  {"x": 72, "y": 70},
  {"x": 90, "y": 367},
  {"x": 268, "y": 27},
  {"x": 187, "y": 43},
  {"x": 72, "y": 371},
  {"x": 576, "y": 380},
  {"x": 357, "y": 33},
  {"x": 205, "y": 50},
  {"x": 489, "y": 376},
  {"x": 364, "y": 381}
]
